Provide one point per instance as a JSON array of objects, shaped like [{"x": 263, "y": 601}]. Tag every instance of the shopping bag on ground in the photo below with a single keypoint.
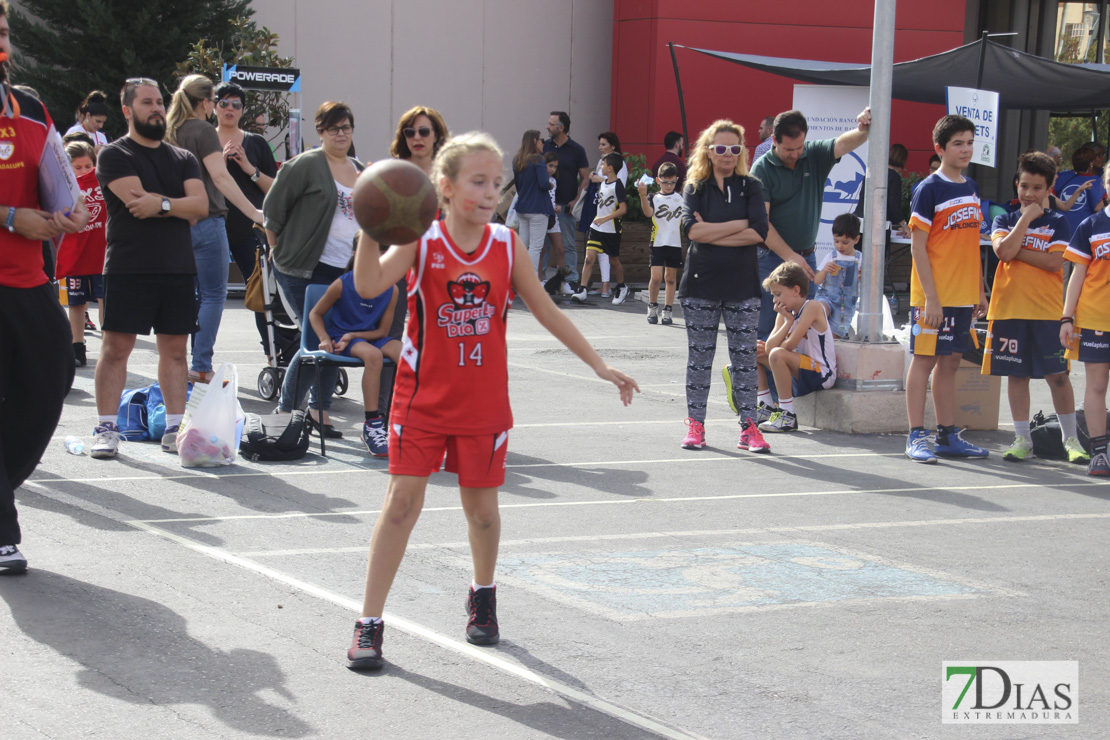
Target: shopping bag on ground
[{"x": 209, "y": 433}]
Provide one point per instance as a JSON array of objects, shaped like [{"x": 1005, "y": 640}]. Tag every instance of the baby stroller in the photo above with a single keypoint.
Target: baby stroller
[{"x": 282, "y": 333}]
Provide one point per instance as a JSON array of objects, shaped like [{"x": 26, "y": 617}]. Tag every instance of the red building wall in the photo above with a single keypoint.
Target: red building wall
[{"x": 644, "y": 104}]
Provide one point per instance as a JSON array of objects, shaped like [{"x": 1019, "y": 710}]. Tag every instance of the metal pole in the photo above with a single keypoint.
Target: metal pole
[
  {"x": 681, "y": 104},
  {"x": 982, "y": 60},
  {"x": 882, "y": 76}
]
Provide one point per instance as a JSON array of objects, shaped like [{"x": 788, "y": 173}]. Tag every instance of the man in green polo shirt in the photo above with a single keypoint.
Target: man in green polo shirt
[{"x": 793, "y": 174}]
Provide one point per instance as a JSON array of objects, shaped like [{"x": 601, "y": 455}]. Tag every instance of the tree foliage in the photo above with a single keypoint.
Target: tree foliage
[
  {"x": 253, "y": 47},
  {"x": 65, "y": 48}
]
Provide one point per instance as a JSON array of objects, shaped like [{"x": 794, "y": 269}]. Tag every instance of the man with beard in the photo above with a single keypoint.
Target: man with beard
[
  {"x": 36, "y": 359},
  {"x": 153, "y": 191}
]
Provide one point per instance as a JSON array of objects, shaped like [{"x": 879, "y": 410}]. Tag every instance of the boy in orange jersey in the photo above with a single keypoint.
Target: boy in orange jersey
[
  {"x": 1085, "y": 323},
  {"x": 1023, "y": 336},
  {"x": 946, "y": 290}
]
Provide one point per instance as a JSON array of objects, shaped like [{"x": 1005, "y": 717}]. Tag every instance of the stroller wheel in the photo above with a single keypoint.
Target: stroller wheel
[
  {"x": 341, "y": 382},
  {"x": 269, "y": 381}
]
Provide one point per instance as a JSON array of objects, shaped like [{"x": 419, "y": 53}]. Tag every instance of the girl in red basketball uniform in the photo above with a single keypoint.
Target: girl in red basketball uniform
[{"x": 451, "y": 394}]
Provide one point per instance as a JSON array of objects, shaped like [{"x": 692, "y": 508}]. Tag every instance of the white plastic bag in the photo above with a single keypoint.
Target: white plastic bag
[
  {"x": 511, "y": 218},
  {"x": 213, "y": 423}
]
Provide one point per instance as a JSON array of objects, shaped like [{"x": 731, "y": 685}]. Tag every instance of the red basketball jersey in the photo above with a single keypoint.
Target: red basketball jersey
[{"x": 453, "y": 376}]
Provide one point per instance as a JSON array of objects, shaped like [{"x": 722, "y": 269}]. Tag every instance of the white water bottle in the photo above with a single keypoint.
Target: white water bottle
[{"x": 74, "y": 445}]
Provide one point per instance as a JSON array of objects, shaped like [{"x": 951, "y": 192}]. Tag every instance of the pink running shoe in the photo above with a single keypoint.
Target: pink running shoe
[
  {"x": 751, "y": 439},
  {"x": 695, "y": 438}
]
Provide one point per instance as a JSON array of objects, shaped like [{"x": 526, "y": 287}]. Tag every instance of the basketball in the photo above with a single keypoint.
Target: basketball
[{"x": 394, "y": 201}]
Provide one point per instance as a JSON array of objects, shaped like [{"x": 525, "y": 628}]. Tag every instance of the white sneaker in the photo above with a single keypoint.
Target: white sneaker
[
  {"x": 106, "y": 439},
  {"x": 12, "y": 560},
  {"x": 579, "y": 295},
  {"x": 620, "y": 294},
  {"x": 565, "y": 289}
]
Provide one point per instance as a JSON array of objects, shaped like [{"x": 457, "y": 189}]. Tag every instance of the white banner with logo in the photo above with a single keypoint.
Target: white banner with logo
[
  {"x": 830, "y": 110},
  {"x": 981, "y": 106}
]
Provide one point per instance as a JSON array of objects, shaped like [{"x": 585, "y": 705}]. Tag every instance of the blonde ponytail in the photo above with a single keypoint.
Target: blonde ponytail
[{"x": 192, "y": 90}]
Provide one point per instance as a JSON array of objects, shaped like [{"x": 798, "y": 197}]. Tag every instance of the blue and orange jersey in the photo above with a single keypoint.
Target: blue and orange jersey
[
  {"x": 949, "y": 211},
  {"x": 1021, "y": 290},
  {"x": 1090, "y": 246}
]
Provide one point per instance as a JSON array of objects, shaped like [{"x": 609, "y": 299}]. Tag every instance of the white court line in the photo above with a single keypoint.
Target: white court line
[
  {"x": 629, "y": 501},
  {"x": 532, "y": 542},
  {"x": 492, "y": 659},
  {"x": 383, "y": 470}
]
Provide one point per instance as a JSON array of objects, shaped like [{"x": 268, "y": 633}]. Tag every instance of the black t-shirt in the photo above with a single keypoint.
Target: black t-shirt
[
  {"x": 259, "y": 155},
  {"x": 723, "y": 273},
  {"x": 159, "y": 245},
  {"x": 572, "y": 158}
]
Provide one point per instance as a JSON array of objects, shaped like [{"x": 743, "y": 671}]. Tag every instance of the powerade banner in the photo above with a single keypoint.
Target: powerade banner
[{"x": 281, "y": 79}]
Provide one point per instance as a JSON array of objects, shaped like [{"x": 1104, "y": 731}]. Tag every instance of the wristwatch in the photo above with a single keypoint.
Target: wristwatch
[
  {"x": 165, "y": 206},
  {"x": 257, "y": 174},
  {"x": 10, "y": 223}
]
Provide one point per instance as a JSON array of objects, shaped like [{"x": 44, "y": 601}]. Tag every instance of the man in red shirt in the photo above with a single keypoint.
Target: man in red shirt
[{"x": 36, "y": 359}]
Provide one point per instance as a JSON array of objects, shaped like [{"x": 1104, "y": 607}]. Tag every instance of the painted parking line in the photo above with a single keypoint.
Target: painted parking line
[
  {"x": 481, "y": 655},
  {"x": 631, "y": 501},
  {"x": 285, "y": 473},
  {"x": 533, "y": 542}
]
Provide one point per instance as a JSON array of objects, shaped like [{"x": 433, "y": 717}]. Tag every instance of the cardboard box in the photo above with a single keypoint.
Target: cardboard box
[{"x": 977, "y": 397}]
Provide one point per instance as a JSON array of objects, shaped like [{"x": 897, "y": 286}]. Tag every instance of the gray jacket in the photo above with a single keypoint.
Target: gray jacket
[{"x": 299, "y": 208}]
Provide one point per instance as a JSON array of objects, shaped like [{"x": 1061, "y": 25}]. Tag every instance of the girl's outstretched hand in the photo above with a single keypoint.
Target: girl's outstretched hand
[{"x": 623, "y": 382}]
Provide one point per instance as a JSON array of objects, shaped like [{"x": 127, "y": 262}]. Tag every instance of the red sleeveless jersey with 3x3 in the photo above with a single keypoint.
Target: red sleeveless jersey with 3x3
[{"x": 453, "y": 377}]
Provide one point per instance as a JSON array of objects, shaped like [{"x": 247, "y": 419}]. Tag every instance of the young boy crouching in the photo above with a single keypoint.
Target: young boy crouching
[{"x": 799, "y": 352}]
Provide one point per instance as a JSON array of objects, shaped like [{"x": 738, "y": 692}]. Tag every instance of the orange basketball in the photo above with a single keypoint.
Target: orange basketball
[{"x": 394, "y": 201}]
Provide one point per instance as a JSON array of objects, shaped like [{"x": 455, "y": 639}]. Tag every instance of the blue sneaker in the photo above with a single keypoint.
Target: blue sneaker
[
  {"x": 917, "y": 447},
  {"x": 958, "y": 447},
  {"x": 375, "y": 437}
]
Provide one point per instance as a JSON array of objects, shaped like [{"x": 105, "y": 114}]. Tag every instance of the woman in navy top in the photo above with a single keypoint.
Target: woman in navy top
[
  {"x": 533, "y": 203},
  {"x": 725, "y": 219}
]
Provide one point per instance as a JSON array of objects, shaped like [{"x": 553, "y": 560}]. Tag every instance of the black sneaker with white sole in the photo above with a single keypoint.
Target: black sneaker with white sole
[{"x": 12, "y": 560}]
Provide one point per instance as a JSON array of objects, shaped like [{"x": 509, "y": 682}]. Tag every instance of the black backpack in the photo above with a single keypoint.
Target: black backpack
[
  {"x": 275, "y": 437},
  {"x": 1047, "y": 443},
  {"x": 1045, "y": 431}
]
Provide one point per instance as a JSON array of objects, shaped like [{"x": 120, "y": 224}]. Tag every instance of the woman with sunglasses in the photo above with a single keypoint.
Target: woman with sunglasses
[
  {"x": 252, "y": 166},
  {"x": 725, "y": 220},
  {"x": 311, "y": 227},
  {"x": 187, "y": 127},
  {"x": 420, "y": 133}
]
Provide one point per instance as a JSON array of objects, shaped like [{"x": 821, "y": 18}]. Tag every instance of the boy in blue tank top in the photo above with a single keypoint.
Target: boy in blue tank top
[{"x": 359, "y": 327}]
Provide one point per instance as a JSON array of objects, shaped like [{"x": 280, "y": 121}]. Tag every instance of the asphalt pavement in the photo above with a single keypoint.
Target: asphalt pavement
[{"x": 644, "y": 590}]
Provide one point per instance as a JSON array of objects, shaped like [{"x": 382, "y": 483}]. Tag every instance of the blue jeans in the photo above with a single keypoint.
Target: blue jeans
[
  {"x": 211, "y": 252},
  {"x": 569, "y": 228},
  {"x": 297, "y": 383},
  {"x": 768, "y": 261}
]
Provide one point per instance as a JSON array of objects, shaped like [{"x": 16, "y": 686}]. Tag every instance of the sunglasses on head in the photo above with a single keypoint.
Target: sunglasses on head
[
  {"x": 410, "y": 132},
  {"x": 227, "y": 103},
  {"x": 722, "y": 149}
]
